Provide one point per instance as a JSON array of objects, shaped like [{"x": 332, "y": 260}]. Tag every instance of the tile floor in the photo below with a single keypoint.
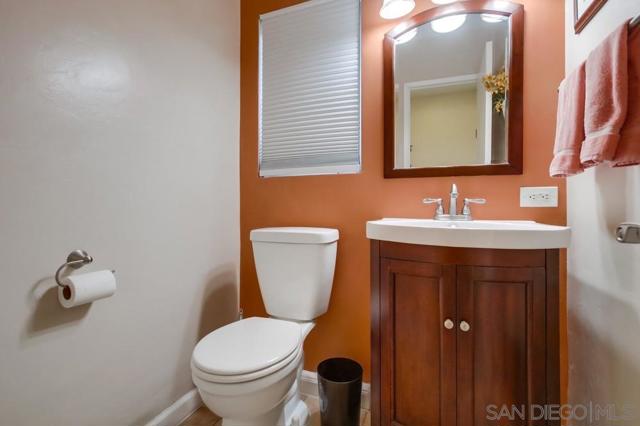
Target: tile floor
[{"x": 204, "y": 417}]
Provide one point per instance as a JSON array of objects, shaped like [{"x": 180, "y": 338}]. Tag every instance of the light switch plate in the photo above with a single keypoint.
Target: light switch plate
[{"x": 542, "y": 196}]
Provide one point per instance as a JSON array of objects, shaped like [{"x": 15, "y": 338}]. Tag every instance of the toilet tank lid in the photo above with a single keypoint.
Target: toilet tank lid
[{"x": 295, "y": 235}]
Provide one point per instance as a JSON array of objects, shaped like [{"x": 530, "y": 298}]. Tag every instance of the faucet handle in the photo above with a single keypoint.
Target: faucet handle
[
  {"x": 466, "y": 209},
  {"x": 437, "y": 202}
]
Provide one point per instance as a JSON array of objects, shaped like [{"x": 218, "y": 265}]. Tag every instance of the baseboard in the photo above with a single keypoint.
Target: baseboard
[
  {"x": 179, "y": 410},
  {"x": 309, "y": 387}
]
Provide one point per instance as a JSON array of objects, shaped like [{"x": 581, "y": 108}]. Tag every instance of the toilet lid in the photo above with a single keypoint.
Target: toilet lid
[{"x": 246, "y": 346}]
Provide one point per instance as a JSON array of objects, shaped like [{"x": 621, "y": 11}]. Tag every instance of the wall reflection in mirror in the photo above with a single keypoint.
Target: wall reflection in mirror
[{"x": 451, "y": 99}]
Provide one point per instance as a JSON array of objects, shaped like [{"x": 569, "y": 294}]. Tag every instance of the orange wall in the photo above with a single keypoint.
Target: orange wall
[{"x": 347, "y": 202}]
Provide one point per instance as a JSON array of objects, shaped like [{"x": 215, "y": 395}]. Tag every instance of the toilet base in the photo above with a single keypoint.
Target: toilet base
[
  {"x": 296, "y": 412},
  {"x": 259, "y": 402},
  {"x": 292, "y": 411}
]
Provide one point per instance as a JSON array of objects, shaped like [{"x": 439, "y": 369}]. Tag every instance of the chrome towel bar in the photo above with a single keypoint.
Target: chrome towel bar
[{"x": 628, "y": 233}]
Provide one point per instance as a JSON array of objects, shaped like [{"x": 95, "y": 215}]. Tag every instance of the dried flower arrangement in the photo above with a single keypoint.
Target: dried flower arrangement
[{"x": 497, "y": 84}]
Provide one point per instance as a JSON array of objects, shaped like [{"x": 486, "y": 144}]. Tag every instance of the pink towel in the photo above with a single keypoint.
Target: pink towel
[
  {"x": 628, "y": 152},
  {"x": 569, "y": 126},
  {"x": 606, "y": 98}
]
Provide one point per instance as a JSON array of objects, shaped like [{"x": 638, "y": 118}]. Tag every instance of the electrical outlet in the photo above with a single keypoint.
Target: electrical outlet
[{"x": 544, "y": 196}]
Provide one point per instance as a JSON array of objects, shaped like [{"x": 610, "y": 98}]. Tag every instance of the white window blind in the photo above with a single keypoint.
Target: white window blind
[{"x": 310, "y": 89}]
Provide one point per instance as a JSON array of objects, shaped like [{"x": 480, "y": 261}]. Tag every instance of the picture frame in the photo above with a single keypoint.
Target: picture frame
[{"x": 584, "y": 11}]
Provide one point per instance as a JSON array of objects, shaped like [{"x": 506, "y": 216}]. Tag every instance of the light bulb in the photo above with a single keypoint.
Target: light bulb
[
  {"x": 406, "y": 37},
  {"x": 448, "y": 23},
  {"x": 392, "y": 9},
  {"x": 493, "y": 18}
]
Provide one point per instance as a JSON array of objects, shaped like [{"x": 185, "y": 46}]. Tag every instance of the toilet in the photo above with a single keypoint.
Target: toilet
[{"x": 248, "y": 372}]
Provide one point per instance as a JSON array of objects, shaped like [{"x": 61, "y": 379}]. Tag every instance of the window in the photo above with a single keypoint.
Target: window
[{"x": 310, "y": 89}]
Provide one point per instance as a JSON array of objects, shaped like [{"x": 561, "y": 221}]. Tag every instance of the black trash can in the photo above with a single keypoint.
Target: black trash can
[{"x": 340, "y": 387}]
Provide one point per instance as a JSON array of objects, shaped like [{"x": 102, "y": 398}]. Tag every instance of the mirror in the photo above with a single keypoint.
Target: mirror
[{"x": 453, "y": 91}]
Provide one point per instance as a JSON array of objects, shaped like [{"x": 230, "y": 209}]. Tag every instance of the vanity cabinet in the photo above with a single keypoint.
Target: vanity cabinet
[{"x": 458, "y": 331}]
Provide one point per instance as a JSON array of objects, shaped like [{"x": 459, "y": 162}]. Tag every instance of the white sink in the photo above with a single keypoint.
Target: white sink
[{"x": 495, "y": 234}]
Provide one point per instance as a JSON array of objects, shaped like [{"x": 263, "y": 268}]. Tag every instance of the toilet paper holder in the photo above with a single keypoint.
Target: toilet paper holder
[{"x": 75, "y": 260}]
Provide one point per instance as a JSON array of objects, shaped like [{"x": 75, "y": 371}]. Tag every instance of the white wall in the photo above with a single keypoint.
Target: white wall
[
  {"x": 119, "y": 135},
  {"x": 604, "y": 276}
]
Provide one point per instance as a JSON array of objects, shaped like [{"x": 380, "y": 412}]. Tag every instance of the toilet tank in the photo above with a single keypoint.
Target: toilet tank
[{"x": 295, "y": 269}]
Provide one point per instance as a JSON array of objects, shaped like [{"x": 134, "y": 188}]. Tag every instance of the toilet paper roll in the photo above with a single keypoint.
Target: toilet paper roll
[{"x": 85, "y": 288}]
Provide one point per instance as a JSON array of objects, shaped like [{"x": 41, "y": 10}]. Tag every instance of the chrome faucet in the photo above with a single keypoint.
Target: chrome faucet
[
  {"x": 465, "y": 214},
  {"x": 453, "y": 200}
]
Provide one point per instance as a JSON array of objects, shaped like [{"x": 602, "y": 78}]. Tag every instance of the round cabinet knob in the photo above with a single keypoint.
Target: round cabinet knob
[
  {"x": 464, "y": 326},
  {"x": 448, "y": 324}
]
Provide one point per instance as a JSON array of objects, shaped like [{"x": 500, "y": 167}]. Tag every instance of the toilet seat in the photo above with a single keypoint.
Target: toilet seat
[
  {"x": 246, "y": 350},
  {"x": 241, "y": 378}
]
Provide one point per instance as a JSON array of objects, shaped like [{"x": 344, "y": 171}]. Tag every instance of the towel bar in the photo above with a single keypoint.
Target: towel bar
[
  {"x": 628, "y": 233},
  {"x": 634, "y": 23}
]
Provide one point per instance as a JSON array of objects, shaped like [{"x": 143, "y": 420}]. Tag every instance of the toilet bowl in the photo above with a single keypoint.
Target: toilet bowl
[
  {"x": 245, "y": 372},
  {"x": 248, "y": 372}
]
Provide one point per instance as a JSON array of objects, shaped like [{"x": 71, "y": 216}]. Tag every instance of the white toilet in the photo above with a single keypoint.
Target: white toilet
[{"x": 248, "y": 372}]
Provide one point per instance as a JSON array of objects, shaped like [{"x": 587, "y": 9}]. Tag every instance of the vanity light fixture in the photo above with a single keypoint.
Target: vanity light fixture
[
  {"x": 448, "y": 23},
  {"x": 392, "y": 9},
  {"x": 406, "y": 37},
  {"x": 492, "y": 18}
]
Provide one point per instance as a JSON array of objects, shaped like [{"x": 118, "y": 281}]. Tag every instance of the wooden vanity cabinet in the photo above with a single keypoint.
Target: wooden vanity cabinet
[{"x": 457, "y": 330}]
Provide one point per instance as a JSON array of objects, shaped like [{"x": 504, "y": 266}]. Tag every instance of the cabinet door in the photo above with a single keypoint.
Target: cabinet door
[
  {"x": 418, "y": 362},
  {"x": 501, "y": 354}
]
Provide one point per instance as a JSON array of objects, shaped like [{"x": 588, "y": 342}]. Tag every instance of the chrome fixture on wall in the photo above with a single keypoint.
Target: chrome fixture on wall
[
  {"x": 628, "y": 233},
  {"x": 464, "y": 215},
  {"x": 75, "y": 260}
]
